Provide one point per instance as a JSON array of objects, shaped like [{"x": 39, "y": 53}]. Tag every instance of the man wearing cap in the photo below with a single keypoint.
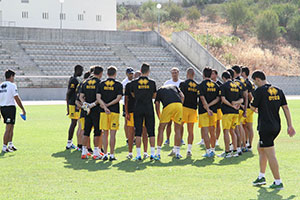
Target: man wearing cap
[{"x": 129, "y": 78}]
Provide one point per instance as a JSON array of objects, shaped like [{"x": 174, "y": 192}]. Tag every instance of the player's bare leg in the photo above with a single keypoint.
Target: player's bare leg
[
  {"x": 218, "y": 132},
  {"x": 169, "y": 130},
  {"x": 190, "y": 127},
  {"x": 112, "y": 142},
  {"x": 160, "y": 137},
  {"x": 205, "y": 136},
  {"x": 130, "y": 138},
  {"x": 71, "y": 133}
]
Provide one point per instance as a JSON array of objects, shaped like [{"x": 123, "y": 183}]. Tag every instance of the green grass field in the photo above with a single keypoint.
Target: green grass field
[{"x": 43, "y": 169}]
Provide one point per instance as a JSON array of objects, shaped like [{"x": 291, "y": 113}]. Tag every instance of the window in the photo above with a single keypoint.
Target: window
[
  {"x": 25, "y": 15},
  {"x": 24, "y": 1},
  {"x": 80, "y": 17},
  {"x": 98, "y": 18},
  {"x": 62, "y": 16},
  {"x": 45, "y": 15}
]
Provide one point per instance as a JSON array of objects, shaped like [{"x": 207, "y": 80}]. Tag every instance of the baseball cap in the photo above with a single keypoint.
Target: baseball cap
[{"x": 129, "y": 70}]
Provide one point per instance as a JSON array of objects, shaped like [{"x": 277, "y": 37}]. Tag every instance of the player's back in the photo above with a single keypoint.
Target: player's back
[
  {"x": 190, "y": 90},
  {"x": 210, "y": 91},
  {"x": 89, "y": 89},
  {"x": 168, "y": 94},
  {"x": 232, "y": 92}
]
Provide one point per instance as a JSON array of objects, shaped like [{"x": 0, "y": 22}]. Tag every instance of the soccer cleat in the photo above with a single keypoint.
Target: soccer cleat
[
  {"x": 212, "y": 154},
  {"x": 240, "y": 153},
  {"x": 277, "y": 187},
  {"x": 137, "y": 158},
  {"x": 157, "y": 157},
  {"x": 129, "y": 156},
  {"x": 97, "y": 157},
  {"x": 79, "y": 149},
  {"x": 7, "y": 150},
  {"x": 72, "y": 146},
  {"x": 206, "y": 155},
  {"x": 112, "y": 158},
  {"x": 178, "y": 156},
  {"x": 245, "y": 149},
  {"x": 259, "y": 181},
  {"x": 201, "y": 142},
  {"x": 189, "y": 154},
  {"x": 225, "y": 155},
  {"x": 152, "y": 157},
  {"x": 182, "y": 142},
  {"x": 90, "y": 150},
  {"x": 89, "y": 154},
  {"x": 167, "y": 142},
  {"x": 85, "y": 156},
  {"x": 13, "y": 148},
  {"x": 146, "y": 156},
  {"x": 104, "y": 158},
  {"x": 236, "y": 154},
  {"x": 172, "y": 153}
]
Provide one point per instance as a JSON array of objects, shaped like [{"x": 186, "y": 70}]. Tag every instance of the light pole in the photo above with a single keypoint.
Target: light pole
[
  {"x": 61, "y": 17},
  {"x": 158, "y": 6}
]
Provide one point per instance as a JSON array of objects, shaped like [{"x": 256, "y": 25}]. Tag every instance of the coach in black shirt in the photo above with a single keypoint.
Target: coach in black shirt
[{"x": 268, "y": 100}]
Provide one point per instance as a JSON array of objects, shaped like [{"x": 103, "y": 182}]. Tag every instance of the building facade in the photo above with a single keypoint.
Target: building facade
[{"x": 66, "y": 14}]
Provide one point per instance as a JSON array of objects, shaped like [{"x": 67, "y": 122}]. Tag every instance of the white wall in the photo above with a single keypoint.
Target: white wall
[
  {"x": 12, "y": 14},
  {"x": 139, "y": 2}
]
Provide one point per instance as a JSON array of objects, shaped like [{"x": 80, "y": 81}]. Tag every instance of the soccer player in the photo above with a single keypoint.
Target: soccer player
[
  {"x": 268, "y": 100},
  {"x": 92, "y": 119},
  {"x": 129, "y": 109},
  {"x": 109, "y": 95},
  {"x": 129, "y": 78},
  {"x": 72, "y": 109},
  {"x": 248, "y": 121},
  {"x": 143, "y": 90},
  {"x": 175, "y": 80},
  {"x": 189, "y": 112},
  {"x": 231, "y": 97},
  {"x": 241, "y": 136},
  {"x": 214, "y": 78},
  {"x": 209, "y": 97},
  {"x": 171, "y": 98},
  {"x": 8, "y": 96}
]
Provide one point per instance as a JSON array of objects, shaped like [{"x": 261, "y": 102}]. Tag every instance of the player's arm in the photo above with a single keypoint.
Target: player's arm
[
  {"x": 102, "y": 104},
  {"x": 126, "y": 108},
  {"x": 78, "y": 103},
  {"x": 287, "y": 114},
  {"x": 215, "y": 101},
  {"x": 205, "y": 105},
  {"x": 81, "y": 97},
  {"x": 245, "y": 97},
  {"x": 226, "y": 102},
  {"x": 20, "y": 104},
  {"x": 115, "y": 101}
]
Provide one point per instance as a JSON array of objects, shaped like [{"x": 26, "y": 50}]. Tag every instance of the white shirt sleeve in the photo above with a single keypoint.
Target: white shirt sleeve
[{"x": 15, "y": 90}]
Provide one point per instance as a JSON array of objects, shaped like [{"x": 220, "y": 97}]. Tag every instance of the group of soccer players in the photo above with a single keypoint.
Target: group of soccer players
[{"x": 210, "y": 103}]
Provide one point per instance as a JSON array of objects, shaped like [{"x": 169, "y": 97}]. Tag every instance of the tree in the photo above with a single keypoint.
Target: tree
[
  {"x": 294, "y": 27},
  {"x": 193, "y": 14},
  {"x": 284, "y": 12},
  {"x": 268, "y": 26},
  {"x": 175, "y": 12},
  {"x": 236, "y": 13}
]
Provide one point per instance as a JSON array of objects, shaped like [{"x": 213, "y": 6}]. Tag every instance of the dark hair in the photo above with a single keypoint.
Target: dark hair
[
  {"x": 145, "y": 68},
  {"x": 246, "y": 70},
  {"x": 98, "y": 70},
  {"x": 215, "y": 71},
  {"x": 86, "y": 75},
  {"x": 226, "y": 75},
  {"x": 9, "y": 73},
  {"x": 190, "y": 71},
  {"x": 236, "y": 68},
  {"x": 78, "y": 68},
  {"x": 207, "y": 72},
  {"x": 259, "y": 74},
  {"x": 92, "y": 69},
  {"x": 111, "y": 70},
  {"x": 231, "y": 72}
]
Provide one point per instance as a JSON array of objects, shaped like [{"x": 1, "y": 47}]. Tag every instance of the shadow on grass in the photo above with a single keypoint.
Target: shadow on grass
[
  {"x": 73, "y": 161},
  {"x": 121, "y": 149},
  {"x": 264, "y": 194},
  {"x": 8, "y": 155},
  {"x": 235, "y": 160}
]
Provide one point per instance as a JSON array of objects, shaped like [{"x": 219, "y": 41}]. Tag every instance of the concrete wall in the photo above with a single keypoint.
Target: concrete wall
[
  {"x": 37, "y": 94},
  {"x": 78, "y": 36},
  {"x": 12, "y": 14},
  {"x": 289, "y": 84},
  {"x": 195, "y": 52}
]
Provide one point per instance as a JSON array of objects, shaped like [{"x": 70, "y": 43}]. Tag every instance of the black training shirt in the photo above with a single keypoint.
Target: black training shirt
[
  {"x": 143, "y": 90},
  {"x": 210, "y": 91},
  {"x": 131, "y": 99},
  {"x": 190, "y": 90},
  {"x": 268, "y": 99},
  {"x": 109, "y": 90},
  {"x": 219, "y": 83},
  {"x": 231, "y": 91},
  {"x": 72, "y": 85},
  {"x": 168, "y": 94}
]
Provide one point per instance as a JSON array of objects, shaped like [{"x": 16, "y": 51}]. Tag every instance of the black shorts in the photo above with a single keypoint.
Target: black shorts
[
  {"x": 9, "y": 114},
  {"x": 149, "y": 123},
  {"x": 90, "y": 121},
  {"x": 266, "y": 139}
]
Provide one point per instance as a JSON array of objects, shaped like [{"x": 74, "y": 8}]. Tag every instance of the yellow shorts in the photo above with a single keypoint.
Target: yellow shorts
[
  {"x": 249, "y": 118},
  {"x": 219, "y": 114},
  {"x": 189, "y": 115},
  {"x": 130, "y": 122},
  {"x": 230, "y": 121},
  {"x": 172, "y": 112},
  {"x": 109, "y": 121},
  {"x": 241, "y": 117},
  {"x": 207, "y": 121},
  {"x": 72, "y": 112}
]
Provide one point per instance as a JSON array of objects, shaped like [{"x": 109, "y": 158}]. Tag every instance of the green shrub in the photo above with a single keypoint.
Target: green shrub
[
  {"x": 193, "y": 14},
  {"x": 294, "y": 27},
  {"x": 175, "y": 12},
  {"x": 267, "y": 26},
  {"x": 284, "y": 12}
]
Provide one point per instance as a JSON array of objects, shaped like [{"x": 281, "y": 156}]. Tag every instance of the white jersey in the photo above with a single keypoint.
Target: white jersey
[
  {"x": 8, "y": 91},
  {"x": 124, "y": 83},
  {"x": 171, "y": 82}
]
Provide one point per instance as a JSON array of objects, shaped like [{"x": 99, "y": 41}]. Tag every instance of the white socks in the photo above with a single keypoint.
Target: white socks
[
  {"x": 84, "y": 150},
  {"x": 277, "y": 181},
  {"x": 70, "y": 142},
  {"x": 4, "y": 147},
  {"x": 138, "y": 152},
  {"x": 112, "y": 155},
  {"x": 10, "y": 144},
  {"x": 189, "y": 147},
  {"x": 96, "y": 151},
  {"x": 261, "y": 175},
  {"x": 177, "y": 150},
  {"x": 158, "y": 150},
  {"x": 152, "y": 151}
]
